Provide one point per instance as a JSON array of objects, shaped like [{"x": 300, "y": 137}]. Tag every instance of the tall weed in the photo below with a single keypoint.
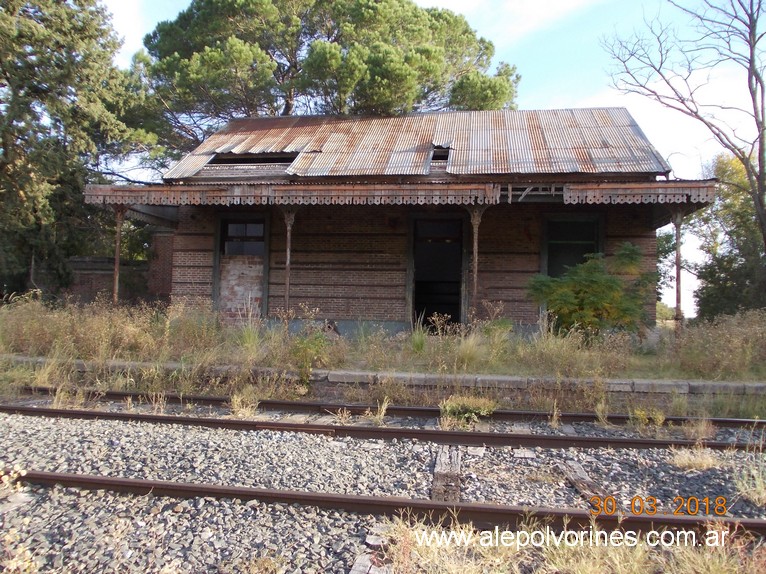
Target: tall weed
[{"x": 729, "y": 347}]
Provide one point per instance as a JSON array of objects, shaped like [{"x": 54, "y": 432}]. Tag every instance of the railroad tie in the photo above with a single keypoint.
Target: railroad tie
[
  {"x": 578, "y": 478},
  {"x": 446, "y": 483}
]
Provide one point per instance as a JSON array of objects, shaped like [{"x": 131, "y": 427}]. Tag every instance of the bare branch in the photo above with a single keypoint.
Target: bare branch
[
  {"x": 674, "y": 71},
  {"x": 123, "y": 177}
]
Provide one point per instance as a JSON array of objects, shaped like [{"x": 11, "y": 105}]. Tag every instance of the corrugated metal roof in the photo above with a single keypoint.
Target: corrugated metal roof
[{"x": 600, "y": 140}]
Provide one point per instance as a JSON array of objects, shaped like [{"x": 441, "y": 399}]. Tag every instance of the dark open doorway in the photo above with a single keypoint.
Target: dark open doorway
[{"x": 438, "y": 261}]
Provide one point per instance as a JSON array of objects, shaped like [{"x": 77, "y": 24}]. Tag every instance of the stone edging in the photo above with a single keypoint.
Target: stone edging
[
  {"x": 499, "y": 382},
  {"x": 504, "y": 382}
]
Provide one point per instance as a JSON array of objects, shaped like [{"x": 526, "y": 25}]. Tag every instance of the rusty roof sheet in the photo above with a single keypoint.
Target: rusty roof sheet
[{"x": 598, "y": 141}]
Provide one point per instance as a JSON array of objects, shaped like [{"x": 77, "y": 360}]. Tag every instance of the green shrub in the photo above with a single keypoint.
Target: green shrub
[
  {"x": 597, "y": 294},
  {"x": 467, "y": 409}
]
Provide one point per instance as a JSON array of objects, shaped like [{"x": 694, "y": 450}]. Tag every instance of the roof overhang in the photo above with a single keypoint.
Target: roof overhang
[
  {"x": 681, "y": 191},
  {"x": 343, "y": 194},
  {"x": 666, "y": 198},
  {"x": 690, "y": 193}
]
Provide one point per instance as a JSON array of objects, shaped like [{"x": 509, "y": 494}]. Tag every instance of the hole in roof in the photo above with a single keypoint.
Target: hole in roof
[
  {"x": 252, "y": 158},
  {"x": 440, "y": 153}
]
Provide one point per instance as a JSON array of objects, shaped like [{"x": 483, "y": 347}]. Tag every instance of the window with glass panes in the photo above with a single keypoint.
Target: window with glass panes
[
  {"x": 568, "y": 242},
  {"x": 243, "y": 237}
]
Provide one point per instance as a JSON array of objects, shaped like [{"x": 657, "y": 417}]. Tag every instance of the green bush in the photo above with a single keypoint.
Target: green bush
[
  {"x": 598, "y": 294},
  {"x": 467, "y": 409}
]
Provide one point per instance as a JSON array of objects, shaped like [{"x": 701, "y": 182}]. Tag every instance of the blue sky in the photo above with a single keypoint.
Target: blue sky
[{"x": 556, "y": 47}]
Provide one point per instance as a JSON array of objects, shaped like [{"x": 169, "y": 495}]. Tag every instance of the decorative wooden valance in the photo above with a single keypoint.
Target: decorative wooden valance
[
  {"x": 358, "y": 194},
  {"x": 648, "y": 192}
]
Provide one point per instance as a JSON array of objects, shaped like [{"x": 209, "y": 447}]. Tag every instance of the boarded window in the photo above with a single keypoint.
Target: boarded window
[
  {"x": 568, "y": 242},
  {"x": 243, "y": 237}
]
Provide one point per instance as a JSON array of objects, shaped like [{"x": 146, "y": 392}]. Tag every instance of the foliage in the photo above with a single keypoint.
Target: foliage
[
  {"x": 733, "y": 276},
  {"x": 597, "y": 294},
  {"x": 60, "y": 97},
  {"x": 467, "y": 409},
  {"x": 665, "y": 312},
  {"x": 223, "y": 59},
  {"x": 674, "y": 70},
  {"x": 477, "y": 91},
  {"x": 666, "y": 262}
]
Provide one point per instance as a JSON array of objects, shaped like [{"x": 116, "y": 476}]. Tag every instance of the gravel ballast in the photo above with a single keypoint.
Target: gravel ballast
[
  {"x": 68, "y": 530},
  {"x": 533, "y": 477},
  {"x": 265, "y": 459}
]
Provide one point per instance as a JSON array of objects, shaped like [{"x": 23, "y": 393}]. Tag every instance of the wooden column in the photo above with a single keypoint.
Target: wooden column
[
  {"x": 119, "y": 213},
  {"x": 678, "y": 217},
  {"x": 289, "y": 215},
  {"x": 476, "y": 212}
]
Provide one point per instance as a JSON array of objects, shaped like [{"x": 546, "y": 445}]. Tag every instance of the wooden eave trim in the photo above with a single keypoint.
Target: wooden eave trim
[{"x": 678, "y": 191}]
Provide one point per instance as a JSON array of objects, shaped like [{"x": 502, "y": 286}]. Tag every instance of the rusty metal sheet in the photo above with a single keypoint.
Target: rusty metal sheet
[
  {"x": 604, "y": 140},
  {"x": 188, "y": 166}
]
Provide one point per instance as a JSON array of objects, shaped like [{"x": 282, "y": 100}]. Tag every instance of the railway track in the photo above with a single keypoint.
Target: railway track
[
  {"x": 450, "y": 437},
  {"x": 485, "y": 516},
  {"x": 318, "y": 407},
  {"x": 438, "y": 510}
]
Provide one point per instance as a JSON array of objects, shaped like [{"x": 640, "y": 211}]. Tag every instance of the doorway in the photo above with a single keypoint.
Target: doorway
[{"x": 438, "y": 267}]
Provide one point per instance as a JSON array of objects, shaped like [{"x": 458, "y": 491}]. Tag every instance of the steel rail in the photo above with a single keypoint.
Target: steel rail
[
  {"x": 452, "y": 437},
  {"x": 392, "y": 410},
  {"x": 480, "y": 514}
]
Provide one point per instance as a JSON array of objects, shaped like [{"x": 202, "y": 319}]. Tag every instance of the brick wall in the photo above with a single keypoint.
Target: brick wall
[
  {"x": 94, "y": 276},
  {"x": 510, "y": 241},
  {"x": 193, "y": 245},
  {"x": 160, "y": 273},
  {"x": 240, "y": 292},
  {"x": 351, "y": 262}
]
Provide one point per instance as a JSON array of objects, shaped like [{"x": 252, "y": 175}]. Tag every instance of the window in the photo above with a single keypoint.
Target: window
[
  {"x": 244, "y": 237},
  {"x": 568, "y": 242}
]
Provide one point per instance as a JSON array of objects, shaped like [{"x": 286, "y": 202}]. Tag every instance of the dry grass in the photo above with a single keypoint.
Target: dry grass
[
  {"x": 342, "y": 417},
  {"x": 731, "y": 347},
  {"x": 190, "y": 332},
  {"x": 378, "y": 416},
  {"x": 244, "y": 402},
  {"x": 13, "y": 378},
  {"x": 698, "y": 429},
  {"x": 750, "y": 480},
  {"x": 740, "y": 555},
  {"x": 258, "y": 565},
  {"x": 602, "y": 413},
  {"x": 554, "y": 418},
  {"x": 407, "y": 553},
  {"x": 598, "y": 559},
  {"x": 159, "y": 402},
  {"x": 67, "y": 397},
  {"x": 399, "y": 392},
  {"x": 697, "y": 458}
]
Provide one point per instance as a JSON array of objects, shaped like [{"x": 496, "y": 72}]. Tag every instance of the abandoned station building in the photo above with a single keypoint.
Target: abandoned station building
[{"x": 386, "y": 218}]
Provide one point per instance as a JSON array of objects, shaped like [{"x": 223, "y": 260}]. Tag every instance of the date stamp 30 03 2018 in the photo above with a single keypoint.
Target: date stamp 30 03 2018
[{"x": 647, "y": 505}]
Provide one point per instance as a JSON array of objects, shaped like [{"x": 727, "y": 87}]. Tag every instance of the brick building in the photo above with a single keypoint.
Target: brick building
[{"x": 385, "y": 219}]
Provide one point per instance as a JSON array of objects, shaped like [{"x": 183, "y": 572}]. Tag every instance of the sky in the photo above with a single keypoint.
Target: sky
[{"x": 557, "y": 47}]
